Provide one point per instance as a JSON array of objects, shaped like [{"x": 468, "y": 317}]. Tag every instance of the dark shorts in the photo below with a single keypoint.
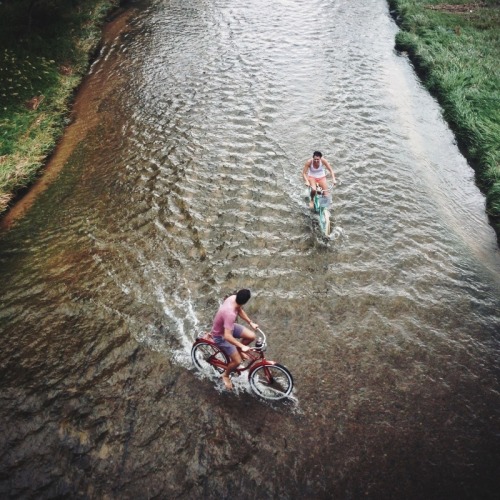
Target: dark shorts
[{"x": 226, "y": 346}]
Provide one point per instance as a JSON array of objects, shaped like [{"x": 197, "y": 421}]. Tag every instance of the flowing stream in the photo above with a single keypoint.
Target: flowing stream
[{"x": 178, "y": 181}]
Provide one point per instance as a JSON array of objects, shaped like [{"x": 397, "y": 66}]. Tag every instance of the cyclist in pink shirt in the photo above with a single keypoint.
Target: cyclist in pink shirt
[{"x": 229, "y": 335}]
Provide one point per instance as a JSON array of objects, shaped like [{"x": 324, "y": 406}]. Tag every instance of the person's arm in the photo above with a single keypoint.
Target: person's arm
[
  {"x": 244, "y": 316},
  {"x": 228, "y": 335},
  {"x": 328, "y": 166},
  {"x": 304, "y": 172}
]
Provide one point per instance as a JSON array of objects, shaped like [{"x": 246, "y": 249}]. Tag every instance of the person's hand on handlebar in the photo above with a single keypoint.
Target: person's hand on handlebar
[{"x": 253, "y": 325}]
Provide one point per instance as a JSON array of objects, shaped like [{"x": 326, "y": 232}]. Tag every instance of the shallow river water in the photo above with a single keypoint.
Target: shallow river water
[{"x": 179, "y": 181}]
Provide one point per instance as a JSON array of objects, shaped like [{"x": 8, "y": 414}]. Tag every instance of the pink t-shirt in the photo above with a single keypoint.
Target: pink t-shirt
[{"x": 225, "y": 317}]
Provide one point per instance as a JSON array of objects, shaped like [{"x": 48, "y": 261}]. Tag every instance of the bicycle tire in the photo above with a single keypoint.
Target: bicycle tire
[
  {"x": 322, "y": 221},
  {"x": 328, "y": 223},
  {"x": 271, "y": 381},
  {"x": 202, "y": 352}
]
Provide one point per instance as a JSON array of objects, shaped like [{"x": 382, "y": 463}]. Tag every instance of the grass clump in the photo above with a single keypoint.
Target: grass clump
[
  {"x": 45, "y": 46},
  {"x": 455, "y": 47}
]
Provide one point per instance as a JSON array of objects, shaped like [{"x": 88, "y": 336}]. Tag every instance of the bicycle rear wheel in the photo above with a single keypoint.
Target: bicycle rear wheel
[
  {"x": 202, "y": 355},
  {"x": 271, "y": 381}
]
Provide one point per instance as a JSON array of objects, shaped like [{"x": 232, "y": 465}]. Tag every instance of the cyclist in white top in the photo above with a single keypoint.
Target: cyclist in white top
[{"x": 314, "y": 174}]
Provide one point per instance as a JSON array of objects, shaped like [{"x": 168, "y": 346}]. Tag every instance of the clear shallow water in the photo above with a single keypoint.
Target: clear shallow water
[{"x": 183, "y": 184}]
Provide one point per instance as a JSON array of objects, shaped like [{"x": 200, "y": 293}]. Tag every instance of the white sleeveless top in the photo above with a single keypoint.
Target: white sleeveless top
[{"x": 317, "y": 173}]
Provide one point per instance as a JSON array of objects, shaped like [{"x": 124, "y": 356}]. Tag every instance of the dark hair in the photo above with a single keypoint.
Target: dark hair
[
  {"x": 243, "y": 296},
  {"x": 317, "y": 153}
]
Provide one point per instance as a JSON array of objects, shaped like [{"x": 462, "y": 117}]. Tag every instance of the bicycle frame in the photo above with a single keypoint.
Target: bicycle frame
[
  {"x": 268, "y": 379},
  {"x": 256, "y": 356},
  {"x": 321, "y": 208},
  {"x": 318, "y": 203}
]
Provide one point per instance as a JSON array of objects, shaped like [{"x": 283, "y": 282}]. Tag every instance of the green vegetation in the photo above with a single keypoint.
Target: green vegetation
[
  {"x": 455, "y": 49},
  {"x": 45, "y": 46}
]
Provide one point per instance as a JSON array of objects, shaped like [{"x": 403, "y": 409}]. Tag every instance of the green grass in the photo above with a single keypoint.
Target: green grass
[
  {"x": 456, "y": 51},
  {"x": 45, "y": 47},
  {"x": 44, "y": 53}
]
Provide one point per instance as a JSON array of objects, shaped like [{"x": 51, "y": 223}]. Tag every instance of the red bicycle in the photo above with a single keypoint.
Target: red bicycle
[{"x": 268, "y": 379}]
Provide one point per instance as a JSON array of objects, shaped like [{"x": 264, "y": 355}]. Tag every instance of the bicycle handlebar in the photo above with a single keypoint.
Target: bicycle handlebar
[
  {"x": 262, "y": 333},
  {"x": 263, "y": 340}
]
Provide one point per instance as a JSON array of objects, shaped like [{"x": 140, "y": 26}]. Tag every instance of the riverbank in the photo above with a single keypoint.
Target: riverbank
[
  {"x": 46, "y": 51},
  {"x": 455, "y": 50}
]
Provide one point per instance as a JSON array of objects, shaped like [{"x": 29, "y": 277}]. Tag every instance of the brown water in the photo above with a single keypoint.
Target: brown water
[{"x": 181, "y": 182}]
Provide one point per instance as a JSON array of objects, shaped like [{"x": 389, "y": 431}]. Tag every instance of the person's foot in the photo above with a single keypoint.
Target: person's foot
[
  {"x": 227, "y": 382},
  {"x": 311, "y": 204}
]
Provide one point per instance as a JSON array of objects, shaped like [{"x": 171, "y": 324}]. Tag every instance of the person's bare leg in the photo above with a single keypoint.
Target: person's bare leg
[
  {"x": 235, "y": 361},
  {"x": 247, "y": 336},
  {"x": 313, "y": 187},
  {"x": 324, "y": 186}
]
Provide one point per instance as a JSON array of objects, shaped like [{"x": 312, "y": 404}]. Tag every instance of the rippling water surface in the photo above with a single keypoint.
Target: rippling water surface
[{"x": 183, "y": 183}]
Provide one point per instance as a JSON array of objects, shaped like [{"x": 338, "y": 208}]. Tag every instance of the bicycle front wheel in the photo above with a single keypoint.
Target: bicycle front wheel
[
  {"x": 271, "y": 381},
  {"x": 204, "y": 355},
  {"x": 327, "y": 224},
  {"x": 324, "y": 221}
]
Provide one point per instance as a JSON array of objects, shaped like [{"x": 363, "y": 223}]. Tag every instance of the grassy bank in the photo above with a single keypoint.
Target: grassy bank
[
  {"x": 455, "y": 47},
  {"x": 45, "y": 47}
]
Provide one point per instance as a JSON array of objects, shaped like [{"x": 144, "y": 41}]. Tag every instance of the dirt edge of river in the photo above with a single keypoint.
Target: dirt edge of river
[
  {"x": 74, "y": 132},
  {"x": 78, "y": 128}
]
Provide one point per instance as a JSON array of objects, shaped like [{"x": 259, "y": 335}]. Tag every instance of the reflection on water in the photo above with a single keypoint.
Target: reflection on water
[{"x": 184, "y": 185}]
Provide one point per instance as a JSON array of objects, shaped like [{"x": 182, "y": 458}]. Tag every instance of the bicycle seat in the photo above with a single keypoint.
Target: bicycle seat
[{"x": 206, "y": 336}]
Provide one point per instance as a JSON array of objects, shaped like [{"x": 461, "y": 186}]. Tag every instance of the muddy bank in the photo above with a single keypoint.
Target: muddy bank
[{"x": 24, "y": 172}]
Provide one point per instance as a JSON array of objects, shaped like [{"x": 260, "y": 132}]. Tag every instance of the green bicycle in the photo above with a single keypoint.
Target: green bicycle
[{"x": 322, "y": 204}]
